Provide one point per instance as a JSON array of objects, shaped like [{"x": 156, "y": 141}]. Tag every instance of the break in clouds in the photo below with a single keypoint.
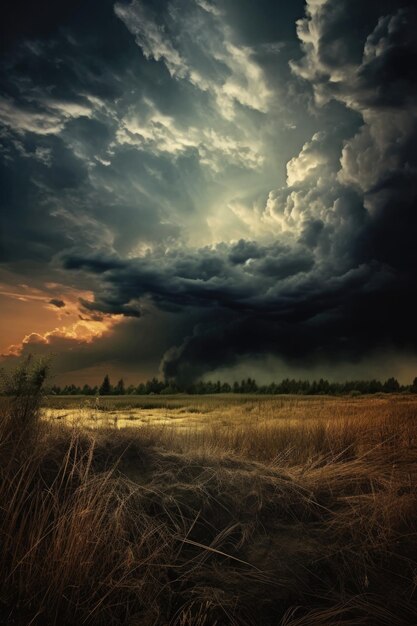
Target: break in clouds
[{"x": 250, "y": 182}]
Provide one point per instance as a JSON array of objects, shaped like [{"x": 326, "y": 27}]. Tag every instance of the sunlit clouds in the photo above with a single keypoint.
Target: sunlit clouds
[{"x": 76, "y": 324}]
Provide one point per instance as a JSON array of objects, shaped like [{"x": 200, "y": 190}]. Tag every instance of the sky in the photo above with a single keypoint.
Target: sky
[{"x": 209, "y": 188}]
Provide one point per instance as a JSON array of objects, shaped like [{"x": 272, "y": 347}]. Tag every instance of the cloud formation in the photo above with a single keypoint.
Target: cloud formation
[
  {"x": 225, "y": 70},
  {"x": 260, "y": 192},
  {"x": 57, "y": 302}
]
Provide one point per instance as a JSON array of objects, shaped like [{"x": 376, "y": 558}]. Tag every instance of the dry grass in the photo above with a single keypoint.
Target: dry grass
[
  {"x": 274, "y": 511},
  {"x": 269, "y": 429}
]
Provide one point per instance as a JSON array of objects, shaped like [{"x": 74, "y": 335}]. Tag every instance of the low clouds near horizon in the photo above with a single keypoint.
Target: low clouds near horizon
[{"x": 193, "y": 185}]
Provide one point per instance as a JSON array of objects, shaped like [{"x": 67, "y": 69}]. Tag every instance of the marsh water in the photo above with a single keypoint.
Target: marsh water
[{"x": 185, "y": 411}]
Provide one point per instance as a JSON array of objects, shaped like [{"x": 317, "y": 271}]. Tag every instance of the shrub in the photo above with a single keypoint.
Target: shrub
[{"x": 23, "y": 388}]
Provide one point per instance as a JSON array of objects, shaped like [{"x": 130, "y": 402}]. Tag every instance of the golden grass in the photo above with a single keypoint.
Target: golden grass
[
  {"x": 284, "y": 429},
  {"x": 271, "y": 511}
]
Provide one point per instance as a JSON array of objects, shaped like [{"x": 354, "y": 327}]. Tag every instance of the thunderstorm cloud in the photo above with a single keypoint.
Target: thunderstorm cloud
[{"x": 215, "y": 181}]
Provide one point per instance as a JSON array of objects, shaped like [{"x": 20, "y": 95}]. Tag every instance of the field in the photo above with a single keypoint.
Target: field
[{"x": 209, "y": 510}]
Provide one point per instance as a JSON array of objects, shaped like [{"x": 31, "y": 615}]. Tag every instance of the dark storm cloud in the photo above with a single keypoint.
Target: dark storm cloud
[
  {"x": 58, "y": 303},
  {"x": 208, "y": 277},
  {"x": 344, "y": 289},
  {"x": 338, "y": 324},
  {"x": 110, "y": 305},
  {"x": 120, "y": 150},
  {"x": 290, "y": 309},
  {"x": 63, "y": 93},
  {"x": 31, "y": 171},
  {"x": 100, "y": 144},
  {"x": 371, "y": 46},
  {"x": 380, "y": 161}
]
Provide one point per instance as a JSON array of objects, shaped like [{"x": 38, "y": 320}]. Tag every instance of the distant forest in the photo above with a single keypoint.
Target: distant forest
[{"x": 248, "y": 385}]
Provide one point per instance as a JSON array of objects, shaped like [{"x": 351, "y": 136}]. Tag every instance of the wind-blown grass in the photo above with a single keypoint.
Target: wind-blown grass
[{"x": 267, "y": 522}]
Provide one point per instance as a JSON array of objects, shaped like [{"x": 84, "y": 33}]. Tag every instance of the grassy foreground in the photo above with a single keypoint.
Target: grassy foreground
[{"x": 227, "y": 511}]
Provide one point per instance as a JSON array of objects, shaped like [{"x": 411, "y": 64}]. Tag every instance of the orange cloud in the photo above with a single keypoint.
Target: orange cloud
[{"x": 82, "y": 331}]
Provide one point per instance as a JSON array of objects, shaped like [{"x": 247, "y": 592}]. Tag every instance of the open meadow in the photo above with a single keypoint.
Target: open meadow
[
  {"x": 256, "y": 427},
  {"x": 208, "y": 321},
  {"x": 209, "y": 510}
]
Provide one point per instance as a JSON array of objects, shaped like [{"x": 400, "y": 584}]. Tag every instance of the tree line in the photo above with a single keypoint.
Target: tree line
[{"x": 248, "y": 385}]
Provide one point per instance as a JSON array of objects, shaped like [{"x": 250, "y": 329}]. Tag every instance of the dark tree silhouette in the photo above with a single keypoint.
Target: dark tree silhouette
[
  {"x": 119, "y": 390},
  {"x": 391, "y": 385},
  {"x": 248, "y": 385},
  {"x": 105, "y": 388}
]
